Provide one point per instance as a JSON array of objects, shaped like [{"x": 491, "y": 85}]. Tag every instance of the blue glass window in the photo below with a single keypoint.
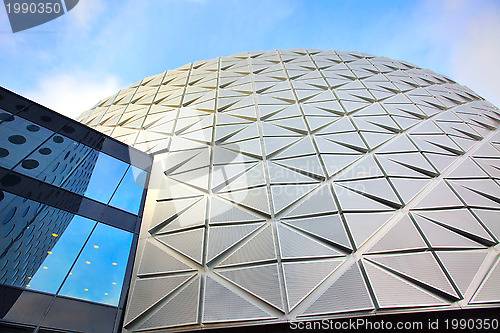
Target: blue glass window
[
  {"x": 100, "y": 269},
  {"x": 61, "y": 253},
  {"x": 106, "y": 176},
  {"x": 129, "y": 193},
  {"x": 61, "y": 257}
]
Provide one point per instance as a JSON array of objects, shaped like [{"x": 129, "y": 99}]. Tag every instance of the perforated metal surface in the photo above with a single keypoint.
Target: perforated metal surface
[{"x": 301, "y": 183}]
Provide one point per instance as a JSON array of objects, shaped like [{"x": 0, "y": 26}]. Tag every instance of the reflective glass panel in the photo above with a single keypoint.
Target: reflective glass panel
[
  {"x": 106, "y": 175},
  {"x": 18, "y": 138},
  {"x": 99, "y": 271},
  {"x": 79, "y": 179},
  {"x": 61, "y": 257},
  {"x": 129, "y": 193},
  {"x": 31, "y": 231},
  {"x": 43, "y": 157},
  {"x": 17, "y": 238},
  {"x": 5, "y": 200}
]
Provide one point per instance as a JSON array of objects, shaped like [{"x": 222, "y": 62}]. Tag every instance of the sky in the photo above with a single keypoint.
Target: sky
[{"x": 102, "y": 46}]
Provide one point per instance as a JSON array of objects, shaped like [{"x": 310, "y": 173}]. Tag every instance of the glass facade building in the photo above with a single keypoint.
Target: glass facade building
[
  {"x": 71, "y": 203},
  {"x": 262, "y": 188}
]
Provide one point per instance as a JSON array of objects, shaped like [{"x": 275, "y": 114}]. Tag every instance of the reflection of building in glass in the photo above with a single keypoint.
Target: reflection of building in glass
[
  {"x": 25, "y": 250},
  {"x": 70, "y": 205},
  {"x": 285, "y": 186},
  {"x": 307, "y": 184},
  {"x": 28, "y": 226}
]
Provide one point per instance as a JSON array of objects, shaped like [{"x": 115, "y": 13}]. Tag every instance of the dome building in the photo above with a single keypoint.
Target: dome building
[
  {"x": 262, "y": 189},
  {"x": 300, "y": 184}
]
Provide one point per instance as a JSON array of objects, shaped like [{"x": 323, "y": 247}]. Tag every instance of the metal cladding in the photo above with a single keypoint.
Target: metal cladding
[{"x": 299, "y": 184}]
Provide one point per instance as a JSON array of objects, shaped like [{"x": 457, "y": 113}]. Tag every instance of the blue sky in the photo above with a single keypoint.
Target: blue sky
[{"x": 102, "y": 46}]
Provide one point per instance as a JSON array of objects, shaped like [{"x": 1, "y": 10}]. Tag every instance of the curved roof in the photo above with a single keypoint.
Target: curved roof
[{"x": 302, "y": 183}]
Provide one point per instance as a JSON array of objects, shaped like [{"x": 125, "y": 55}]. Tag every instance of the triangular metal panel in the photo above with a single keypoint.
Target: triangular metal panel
[
  {"x": 225, "y": 212},
  {"x": 274, "y": 144},
  {"x": 490, "y": 219},
  {"x": 401, "y": 237},
  {"x": 222, "y": 305},
  {"x": 335, "y": 163},
  {"x": 302, "y": 147},
  {"x": 255, "y": 198},
  {"x": 281, "y": 175},
  {"x": 248, "y": 112},
  {"x": 309, "y": 165},
  {"x": 486, "y": 150},
  {"x": 188, "y": 243},
  {"x": 222, "y": 156},
  {"x": 220, "y": 238},
  {"x": 270, "y": 130},
  {"x": 327, "y": 227},
  {"x": 478, "y": 192},
  {"x": 442, "y": 238},
  {"x": 156, "y": 260},
  {"x": 249, "y": 132},
  {"x": 490, "y": 165},
  {"x": 296, "y": 124},
  {"x": 407, "y": 165},
  {"x": 489, "y": 292},
  {"x": 250, "y": 147},
  {"x": 311, "y": 110},
  {"x": 408, "y": 188},
  {"x": 167, "y": 210},
  {"x": 285, "y": 195},
  {"x": 222, "y": 175},
  {"x": 440, "y": 196},
  {"x": 460, "y": 220},
  {"x": 298, "y": 287},
  {"x": 400, "y": 144},
  {"x": 262, "y": 281},
  {"x": 176, "y": 161},
  {"x": 174, "y": 190},
  {"x": 320, "y": 202},
  {"x": 203, "y": 135},
  {"x": 316, "y": 122},
  {"x": 377, "y": 189},
  {"x": 253, "y": 177},
  {"x": 462, "y": 266},
  {"x": 352, "y": 201},
  {"x": 375, "y": 139},
  {"x": 421, "y": 267},
  {"x": 295, "y": 245},
  {"x": 344, "y": 124},
  {"x": 439, "y": 144},
  {"x": 350, "y": 140},
  {"x": 394, "y": 292},
  {"x": 289, "y": 112},
  {"x": 182, "y": 309},
  {"x": 197, "y": 178},
  {"x": 440, "y": 161},
  {"x": 326, "y": 146},
  {"x": 193, "y": 216},
  {"x": 383, "y": 123},
  {"x": 180, "y": 144},
  {"x": 348, "y": 293},
  {"x": 147, "y": 292},
  {"x": 260, "y": 247},
  {"x": 363, "y": 225},
  {"x": 366, "y": 168}
]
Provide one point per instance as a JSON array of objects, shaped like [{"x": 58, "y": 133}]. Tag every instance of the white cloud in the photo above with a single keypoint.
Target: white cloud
[
  {"x": 464, "y": 37},
  {"x": 71, "y": 94},
  {"x": 85, "y": 12},
  {"x": 475, "y": 57}
]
